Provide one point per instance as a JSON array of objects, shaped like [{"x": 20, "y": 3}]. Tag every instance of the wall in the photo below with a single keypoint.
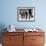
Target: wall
[{"x": 8, "y": 13}]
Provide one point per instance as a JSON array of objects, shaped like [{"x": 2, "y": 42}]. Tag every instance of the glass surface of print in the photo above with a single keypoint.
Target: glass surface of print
[{"x": 25, "y": 14}]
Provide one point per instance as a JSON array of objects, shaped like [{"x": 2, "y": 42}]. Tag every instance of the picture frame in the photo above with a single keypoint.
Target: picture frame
[{"x": 26, "y": 14}]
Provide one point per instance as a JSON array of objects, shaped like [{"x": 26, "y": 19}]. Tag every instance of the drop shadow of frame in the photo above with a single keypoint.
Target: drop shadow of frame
[{"x": 26, "y": 14}]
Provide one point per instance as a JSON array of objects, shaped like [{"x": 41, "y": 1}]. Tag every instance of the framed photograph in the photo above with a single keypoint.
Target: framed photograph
[{"x": 26, "y": 14}]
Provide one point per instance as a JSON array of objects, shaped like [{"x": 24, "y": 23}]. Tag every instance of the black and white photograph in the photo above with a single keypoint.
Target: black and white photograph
[{"x": 25, "y": 13}]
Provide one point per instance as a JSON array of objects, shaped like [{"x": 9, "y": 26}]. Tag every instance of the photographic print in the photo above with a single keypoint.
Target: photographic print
[{"x": 25, "y": 13}]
